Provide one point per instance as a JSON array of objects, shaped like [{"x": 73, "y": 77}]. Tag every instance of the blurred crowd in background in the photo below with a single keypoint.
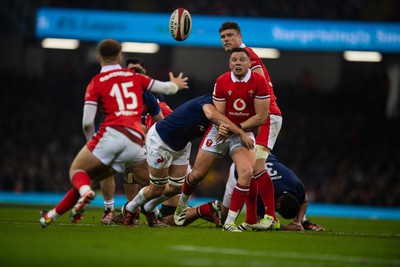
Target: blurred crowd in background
[{"x": 340, "y": 143}]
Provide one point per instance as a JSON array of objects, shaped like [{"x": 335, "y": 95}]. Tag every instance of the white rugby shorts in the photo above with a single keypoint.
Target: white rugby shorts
[
  {"x": 160, "y": 155},
  {"x": 115, "y": 149},
  {"x": 210, "y": 144}
]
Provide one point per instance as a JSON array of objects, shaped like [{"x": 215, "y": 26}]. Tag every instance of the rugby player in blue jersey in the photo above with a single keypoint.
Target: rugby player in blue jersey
[
  {"x": 290, "y": 196},
  {"x": 168, "y": 145}
]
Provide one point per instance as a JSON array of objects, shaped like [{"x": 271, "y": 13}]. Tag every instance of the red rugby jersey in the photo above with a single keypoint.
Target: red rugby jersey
[
  {"x": 240, "y": 95},
  {"x": 257, "y": 63},
  {"x": 118, "y": 93}
]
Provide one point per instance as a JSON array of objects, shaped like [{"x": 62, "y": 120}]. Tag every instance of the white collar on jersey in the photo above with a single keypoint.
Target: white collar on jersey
[
  {"x": 242, "y": 45},
  {"x": 110, "y": 67},
  {"x": 245, "y": 79}
]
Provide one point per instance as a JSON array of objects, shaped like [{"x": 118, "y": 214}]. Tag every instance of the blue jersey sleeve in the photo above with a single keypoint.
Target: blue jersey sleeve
[{"x": 151, "y": 104}]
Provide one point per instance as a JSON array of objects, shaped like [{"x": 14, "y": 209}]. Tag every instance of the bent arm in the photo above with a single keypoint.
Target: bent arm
[
  {"x": 217, "y": 118},
  {"x": 261, "y": 107},
  {"x": 89, "y": 114},
  {"x": 158, "y": 117}
]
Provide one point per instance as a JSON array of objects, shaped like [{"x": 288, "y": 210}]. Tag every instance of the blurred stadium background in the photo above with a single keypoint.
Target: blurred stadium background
[{"x": 341, "y": 128}]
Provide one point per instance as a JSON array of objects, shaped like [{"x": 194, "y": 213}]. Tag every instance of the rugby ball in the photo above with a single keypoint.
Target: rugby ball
[{"x": 180, "y": 24}]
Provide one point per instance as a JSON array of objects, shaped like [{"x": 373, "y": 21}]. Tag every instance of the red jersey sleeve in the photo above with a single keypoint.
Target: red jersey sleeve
[
  {"x": 91, "y": 96},
  {"x": 218, "y": 93}
]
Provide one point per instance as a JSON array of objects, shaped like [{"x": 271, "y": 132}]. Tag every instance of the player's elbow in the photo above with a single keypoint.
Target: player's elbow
[{"x": 262, "y": 118}]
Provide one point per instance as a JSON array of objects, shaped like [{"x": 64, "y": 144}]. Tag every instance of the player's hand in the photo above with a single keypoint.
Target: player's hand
[
  {"x": 247, "y": 141},
  {"x": 223, "y": 133},
  {"x": 223, "y": 129},
  {"x": 179, "y": 80}
]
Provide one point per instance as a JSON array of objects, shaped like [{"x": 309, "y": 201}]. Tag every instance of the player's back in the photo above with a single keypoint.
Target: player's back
[
  {"x": 118, "y": 92},
  {"x": 284, "y": 179},
  {"x": 185, "y": 123}
]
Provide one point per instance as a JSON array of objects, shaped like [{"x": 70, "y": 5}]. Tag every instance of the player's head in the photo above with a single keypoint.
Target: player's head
[
  {"x": 239, "y": 61},
  {"x": 109, "y": 52},
  {"x": 230, "y": 35},
  {"x": 287, "y": 205},
  {"x": 136, "y": 64}
]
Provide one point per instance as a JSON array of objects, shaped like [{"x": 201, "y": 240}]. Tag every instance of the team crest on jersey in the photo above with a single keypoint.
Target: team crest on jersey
[
  {"x": 239, "y": 104},
  {"x": 160, "y": 160},
  {"x": 251, "y": 93},
  {"x": 209, "y": 142},
  {"x": 229, "y": 92}
]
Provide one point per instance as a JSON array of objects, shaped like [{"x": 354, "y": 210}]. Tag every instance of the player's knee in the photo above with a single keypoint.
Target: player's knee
[
  {"x": 158, "y": 184},
  {"x": 245, "y": 174},
  {"x": 128, "y": 178},
  {"x": 176, "y": 181},
  {"x": 262, "y": 152},
  {"x": 196, "y": 177}
]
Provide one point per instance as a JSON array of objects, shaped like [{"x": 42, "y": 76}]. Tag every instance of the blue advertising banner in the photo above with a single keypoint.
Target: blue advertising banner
[{"x": 285, "y": 34}]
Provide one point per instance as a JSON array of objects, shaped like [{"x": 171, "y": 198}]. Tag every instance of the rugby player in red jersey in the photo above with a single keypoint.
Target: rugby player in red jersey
[
  {"x": 231, "y": 36},
  {"x": 118, "y": 144},
  {"x": 243, "y": 97}
]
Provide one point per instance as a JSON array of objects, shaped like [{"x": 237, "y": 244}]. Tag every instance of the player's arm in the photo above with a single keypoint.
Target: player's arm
[
  {"x": 158, "y": 117},
  {"x": 217, "y": 118},
  {"x": 259, "y": 70},
  {"x": 261, "y": 107},
  {"x": 302, "y": 210},
  {"x": 171, "y": 87},
  {"x": 89, "y": 114},
  {"x": 153, "y": 106}
]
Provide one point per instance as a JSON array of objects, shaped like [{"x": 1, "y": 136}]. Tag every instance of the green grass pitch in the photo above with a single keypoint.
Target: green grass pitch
[{"x": 347, "y": 242}]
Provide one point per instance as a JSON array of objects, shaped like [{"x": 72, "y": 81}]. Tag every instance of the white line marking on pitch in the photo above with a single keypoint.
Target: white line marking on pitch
[{"x": 292, "y": 255}]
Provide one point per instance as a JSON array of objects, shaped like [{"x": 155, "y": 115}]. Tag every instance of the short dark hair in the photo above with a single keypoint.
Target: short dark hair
[
  {"x": 239, "y": 49},
  {"x": 135, "y": 60},
  {"x": 287, "y": 205},
  {"x": 229, "y": 25},
  {"x": 109, "y": 48}
]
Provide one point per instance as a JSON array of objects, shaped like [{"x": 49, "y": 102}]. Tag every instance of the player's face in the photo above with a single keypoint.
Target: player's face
[
  {"x": 230, "y": 38},
  {"x": 130, "y": 66},
  {"x": 239, "y": 63}
]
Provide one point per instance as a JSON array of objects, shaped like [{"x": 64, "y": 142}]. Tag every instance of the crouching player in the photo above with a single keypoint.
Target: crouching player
[
  {"x": 210, "y": 211},
  {"x": 290, "y": 197}
]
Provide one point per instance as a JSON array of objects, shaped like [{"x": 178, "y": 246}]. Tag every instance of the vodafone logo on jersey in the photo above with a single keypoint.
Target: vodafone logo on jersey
[{"x": 239, "y": 104}]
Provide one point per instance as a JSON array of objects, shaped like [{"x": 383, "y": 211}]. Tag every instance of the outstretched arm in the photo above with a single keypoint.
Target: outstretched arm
[{"x": 172, "y": 87}]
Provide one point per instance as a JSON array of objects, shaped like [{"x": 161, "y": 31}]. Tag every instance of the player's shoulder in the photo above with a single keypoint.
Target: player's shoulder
[
  {"x": 258, "y": 77},
  {"x": 224, "y": 76},
  {"x": 251, "y": 53}
]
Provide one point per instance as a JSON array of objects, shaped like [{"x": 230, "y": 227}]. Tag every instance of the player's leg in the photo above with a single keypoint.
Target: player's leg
[
  {"x": 203, "y": 163},
  {"x": 85, "y": 166},
  {"x": 265, "y": 142},
  {"x": 158, "y": 182},
  {"x": 68, "y": 201},
  {"x": 210, "y": 211},
  {"x": 175, "y": 182},
  {"x": 178, "y": 167},
  {"x": 244, "y": 160},
  {"x": 107, "y": 187}
]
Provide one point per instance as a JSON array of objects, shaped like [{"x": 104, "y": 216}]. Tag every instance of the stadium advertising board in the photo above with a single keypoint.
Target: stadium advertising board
[{"x": 285, "y": 34}]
